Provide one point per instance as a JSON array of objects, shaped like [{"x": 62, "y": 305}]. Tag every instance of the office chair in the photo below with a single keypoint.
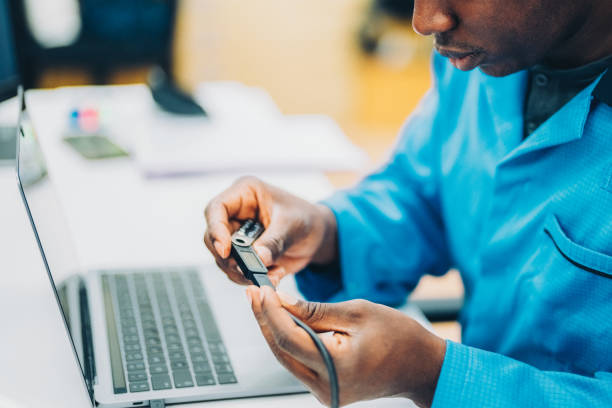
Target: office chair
[{"x": 115, "y": 34}]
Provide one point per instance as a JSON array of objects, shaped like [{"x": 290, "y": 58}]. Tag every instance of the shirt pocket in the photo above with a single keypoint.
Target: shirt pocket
[{"x": 580, "y": 256}]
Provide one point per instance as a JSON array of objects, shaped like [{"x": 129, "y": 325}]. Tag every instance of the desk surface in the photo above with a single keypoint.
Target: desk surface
[{"x": 101, "y": 200}]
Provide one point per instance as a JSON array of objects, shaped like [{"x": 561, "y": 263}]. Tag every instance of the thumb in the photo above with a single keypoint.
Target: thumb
[
  {"x": 272, "y": 243},
  {"x": 323, "y": 317}
]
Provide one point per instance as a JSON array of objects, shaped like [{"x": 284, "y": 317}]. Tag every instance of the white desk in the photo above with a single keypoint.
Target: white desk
[{"x": 117, "y": 218}]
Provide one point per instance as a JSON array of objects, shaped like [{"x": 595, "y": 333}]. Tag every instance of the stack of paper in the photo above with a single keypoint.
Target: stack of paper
[{"x": 245, "y": 131}]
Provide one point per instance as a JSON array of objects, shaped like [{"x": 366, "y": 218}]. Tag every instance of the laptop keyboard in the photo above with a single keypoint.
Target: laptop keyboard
[{"x": 162, "y": 333}]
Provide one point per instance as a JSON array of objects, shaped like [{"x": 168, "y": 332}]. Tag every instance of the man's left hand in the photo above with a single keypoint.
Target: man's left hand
[{"x": 378, "y": 351}]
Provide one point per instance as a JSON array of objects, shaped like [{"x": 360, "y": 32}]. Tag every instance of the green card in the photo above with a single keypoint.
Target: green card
[{"x": 95, "y": 147}]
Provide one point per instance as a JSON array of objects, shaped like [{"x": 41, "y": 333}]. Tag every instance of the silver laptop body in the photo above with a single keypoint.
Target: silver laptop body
[{"x": 175, "y": 334}]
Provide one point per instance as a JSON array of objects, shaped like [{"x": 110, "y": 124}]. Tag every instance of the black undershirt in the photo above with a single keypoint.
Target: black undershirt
[{"x": 549, "y": 89}]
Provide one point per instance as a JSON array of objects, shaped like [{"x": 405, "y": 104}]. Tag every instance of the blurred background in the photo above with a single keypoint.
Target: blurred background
[{"x": 357, "y": 61}]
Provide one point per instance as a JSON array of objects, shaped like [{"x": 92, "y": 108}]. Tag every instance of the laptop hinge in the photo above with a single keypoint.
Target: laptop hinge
[
  {"x": 89, "y": 365},
  {"x": 158, "y": 404}
]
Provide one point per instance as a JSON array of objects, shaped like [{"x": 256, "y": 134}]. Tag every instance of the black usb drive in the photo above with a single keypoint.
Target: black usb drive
[{"x": 246, "y": 257}]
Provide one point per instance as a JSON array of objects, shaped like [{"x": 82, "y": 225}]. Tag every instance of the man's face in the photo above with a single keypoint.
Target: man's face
[{"x": 499, "y": 36}]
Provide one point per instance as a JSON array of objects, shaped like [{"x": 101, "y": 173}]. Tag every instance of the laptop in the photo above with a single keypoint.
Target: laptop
[{"x": 145, "y": 336}]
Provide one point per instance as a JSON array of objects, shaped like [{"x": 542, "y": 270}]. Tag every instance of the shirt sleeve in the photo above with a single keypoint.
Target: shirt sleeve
[
  {"x": 472, "y": 377},
  {"x": 390, "y": 229}
]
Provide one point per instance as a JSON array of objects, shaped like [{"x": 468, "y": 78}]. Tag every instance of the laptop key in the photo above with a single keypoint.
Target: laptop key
[
  {"x": 135, "y": 366},
  {"x": 156, "y": 358},
  {"x": 137, "y": 376},
  {"x": 182, "y": 379},
  {"x": 128, "y": 322},
  {"x": 173, "y": 338},
  {"x": 176, "y": 355},
  {"x": 216, "y": 347},
  {"x": 220, "y": 359},
  {"x": 139, "y": 386},
  {"x": 202, "y": 368},
  {"x": 192, "y": 334},
  {"x": 158, "y": 368},
  {"x": 161, "y": 381},
  {"x": 223, "y": 368},
  {"x": 153, "y": 341},
  {"x": 155, "y": 350},
  {"x": 131, "y": 339},
  {"x": 175, "y": 347},
  {"x": 179, "y": 365},
  {"x": 133, "y": 356},
  {"x": 151, "y": 332},
  {"x": 196, "y": 349},
  {"x": 132, "y": 347},
  {"x": 200, "y": 358},
  {"x": 227, "y": 378},
  {"x": 205, "y": 379},
  {"x": 194, "y": 340}
]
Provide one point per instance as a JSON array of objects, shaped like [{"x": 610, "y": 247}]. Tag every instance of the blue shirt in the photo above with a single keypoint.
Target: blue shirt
[{"x": 527, "y": 222}]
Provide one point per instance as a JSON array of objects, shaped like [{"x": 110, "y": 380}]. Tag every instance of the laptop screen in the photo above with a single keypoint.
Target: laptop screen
[
  {"x": 53, "y": 237},
  {"x": 8, "y": 64}
]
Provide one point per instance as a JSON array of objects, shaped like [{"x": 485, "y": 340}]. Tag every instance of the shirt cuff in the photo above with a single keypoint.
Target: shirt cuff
[
  {"x": 452, "y": 375},
  {"x": 469, "y": 378}
]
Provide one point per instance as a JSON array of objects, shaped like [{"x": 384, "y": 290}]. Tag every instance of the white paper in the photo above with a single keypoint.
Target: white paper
[
  {"x": 289, "y": 143},
  {"x": 245, "y": 131}
]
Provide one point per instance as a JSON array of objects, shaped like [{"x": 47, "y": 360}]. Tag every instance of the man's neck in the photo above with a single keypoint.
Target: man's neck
[{"x": 590, "y": 38}]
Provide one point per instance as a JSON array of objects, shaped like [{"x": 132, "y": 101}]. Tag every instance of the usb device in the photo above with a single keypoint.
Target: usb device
[
  {"x": 254, "y": 270},
  {"x": 245, "y": 256}
]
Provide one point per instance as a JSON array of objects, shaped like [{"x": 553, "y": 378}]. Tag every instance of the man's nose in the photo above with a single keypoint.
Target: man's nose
[{"x": 432, "y": 17}]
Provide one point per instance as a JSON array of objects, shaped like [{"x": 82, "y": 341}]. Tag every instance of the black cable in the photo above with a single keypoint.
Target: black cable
[
  {"x": 260, "y": 279},
  {"x": 327, "y": 359},
  {"x": 254, "y": 270}
]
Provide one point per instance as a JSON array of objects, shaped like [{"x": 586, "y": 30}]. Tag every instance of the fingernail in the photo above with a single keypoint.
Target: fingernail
[
  {"x": 261, "y": 295},
  {"x": 264, "y": 253},
  {"x": 219, "y": 248},
  {"x": 249, "y": 298},
  {"x": 286, "y": 299}
]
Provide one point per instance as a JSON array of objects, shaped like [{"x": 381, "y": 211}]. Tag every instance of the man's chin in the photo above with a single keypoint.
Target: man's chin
[{"x": 499, "y": 70}]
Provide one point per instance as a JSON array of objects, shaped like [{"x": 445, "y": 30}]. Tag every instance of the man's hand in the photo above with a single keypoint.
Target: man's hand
[
  {"x": 297, "y": 232},
  {"x": 378, "y": 351}
]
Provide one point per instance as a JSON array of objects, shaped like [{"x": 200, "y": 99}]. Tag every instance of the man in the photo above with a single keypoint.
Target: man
[{"x": 503, "y": 172}]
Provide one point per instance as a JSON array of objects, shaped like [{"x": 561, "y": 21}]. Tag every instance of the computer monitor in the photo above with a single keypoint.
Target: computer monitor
[{"x": 9, "y": 78}]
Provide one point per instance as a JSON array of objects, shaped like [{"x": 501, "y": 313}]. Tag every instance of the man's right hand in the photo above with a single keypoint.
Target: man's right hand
[{"x": 296, "y": 232}]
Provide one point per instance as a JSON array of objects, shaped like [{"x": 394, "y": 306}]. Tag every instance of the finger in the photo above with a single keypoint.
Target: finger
[
  {"x": 275, "y": 274},
  {"x": 273, "y": 242},
  {"x": 283, "y": 332},
  {"x": 209, "y": 244},
  {"x": 302, "y": 372},
  {"x": 235, "y": 274},
  {"x": 228, "y": 266},
  {"x": 236, "y": 202},
  {"x": 218, "y": 231},
  {"x": 291, "y": 264},
  {"x": 231, "y": 270},
  {"x": 324, "y": 317}
]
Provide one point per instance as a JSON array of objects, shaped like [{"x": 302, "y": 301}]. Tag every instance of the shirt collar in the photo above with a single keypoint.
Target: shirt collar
[
  {"x": 583, "y": 74},
  {"x": 566, "y": 125}
]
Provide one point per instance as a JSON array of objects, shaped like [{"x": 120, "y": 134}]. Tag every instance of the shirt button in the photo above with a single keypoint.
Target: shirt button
[{"x": 541, "y": 80}]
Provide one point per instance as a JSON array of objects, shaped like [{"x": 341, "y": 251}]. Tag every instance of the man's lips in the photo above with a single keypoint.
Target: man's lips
[{"x": 464, "y": 60}]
